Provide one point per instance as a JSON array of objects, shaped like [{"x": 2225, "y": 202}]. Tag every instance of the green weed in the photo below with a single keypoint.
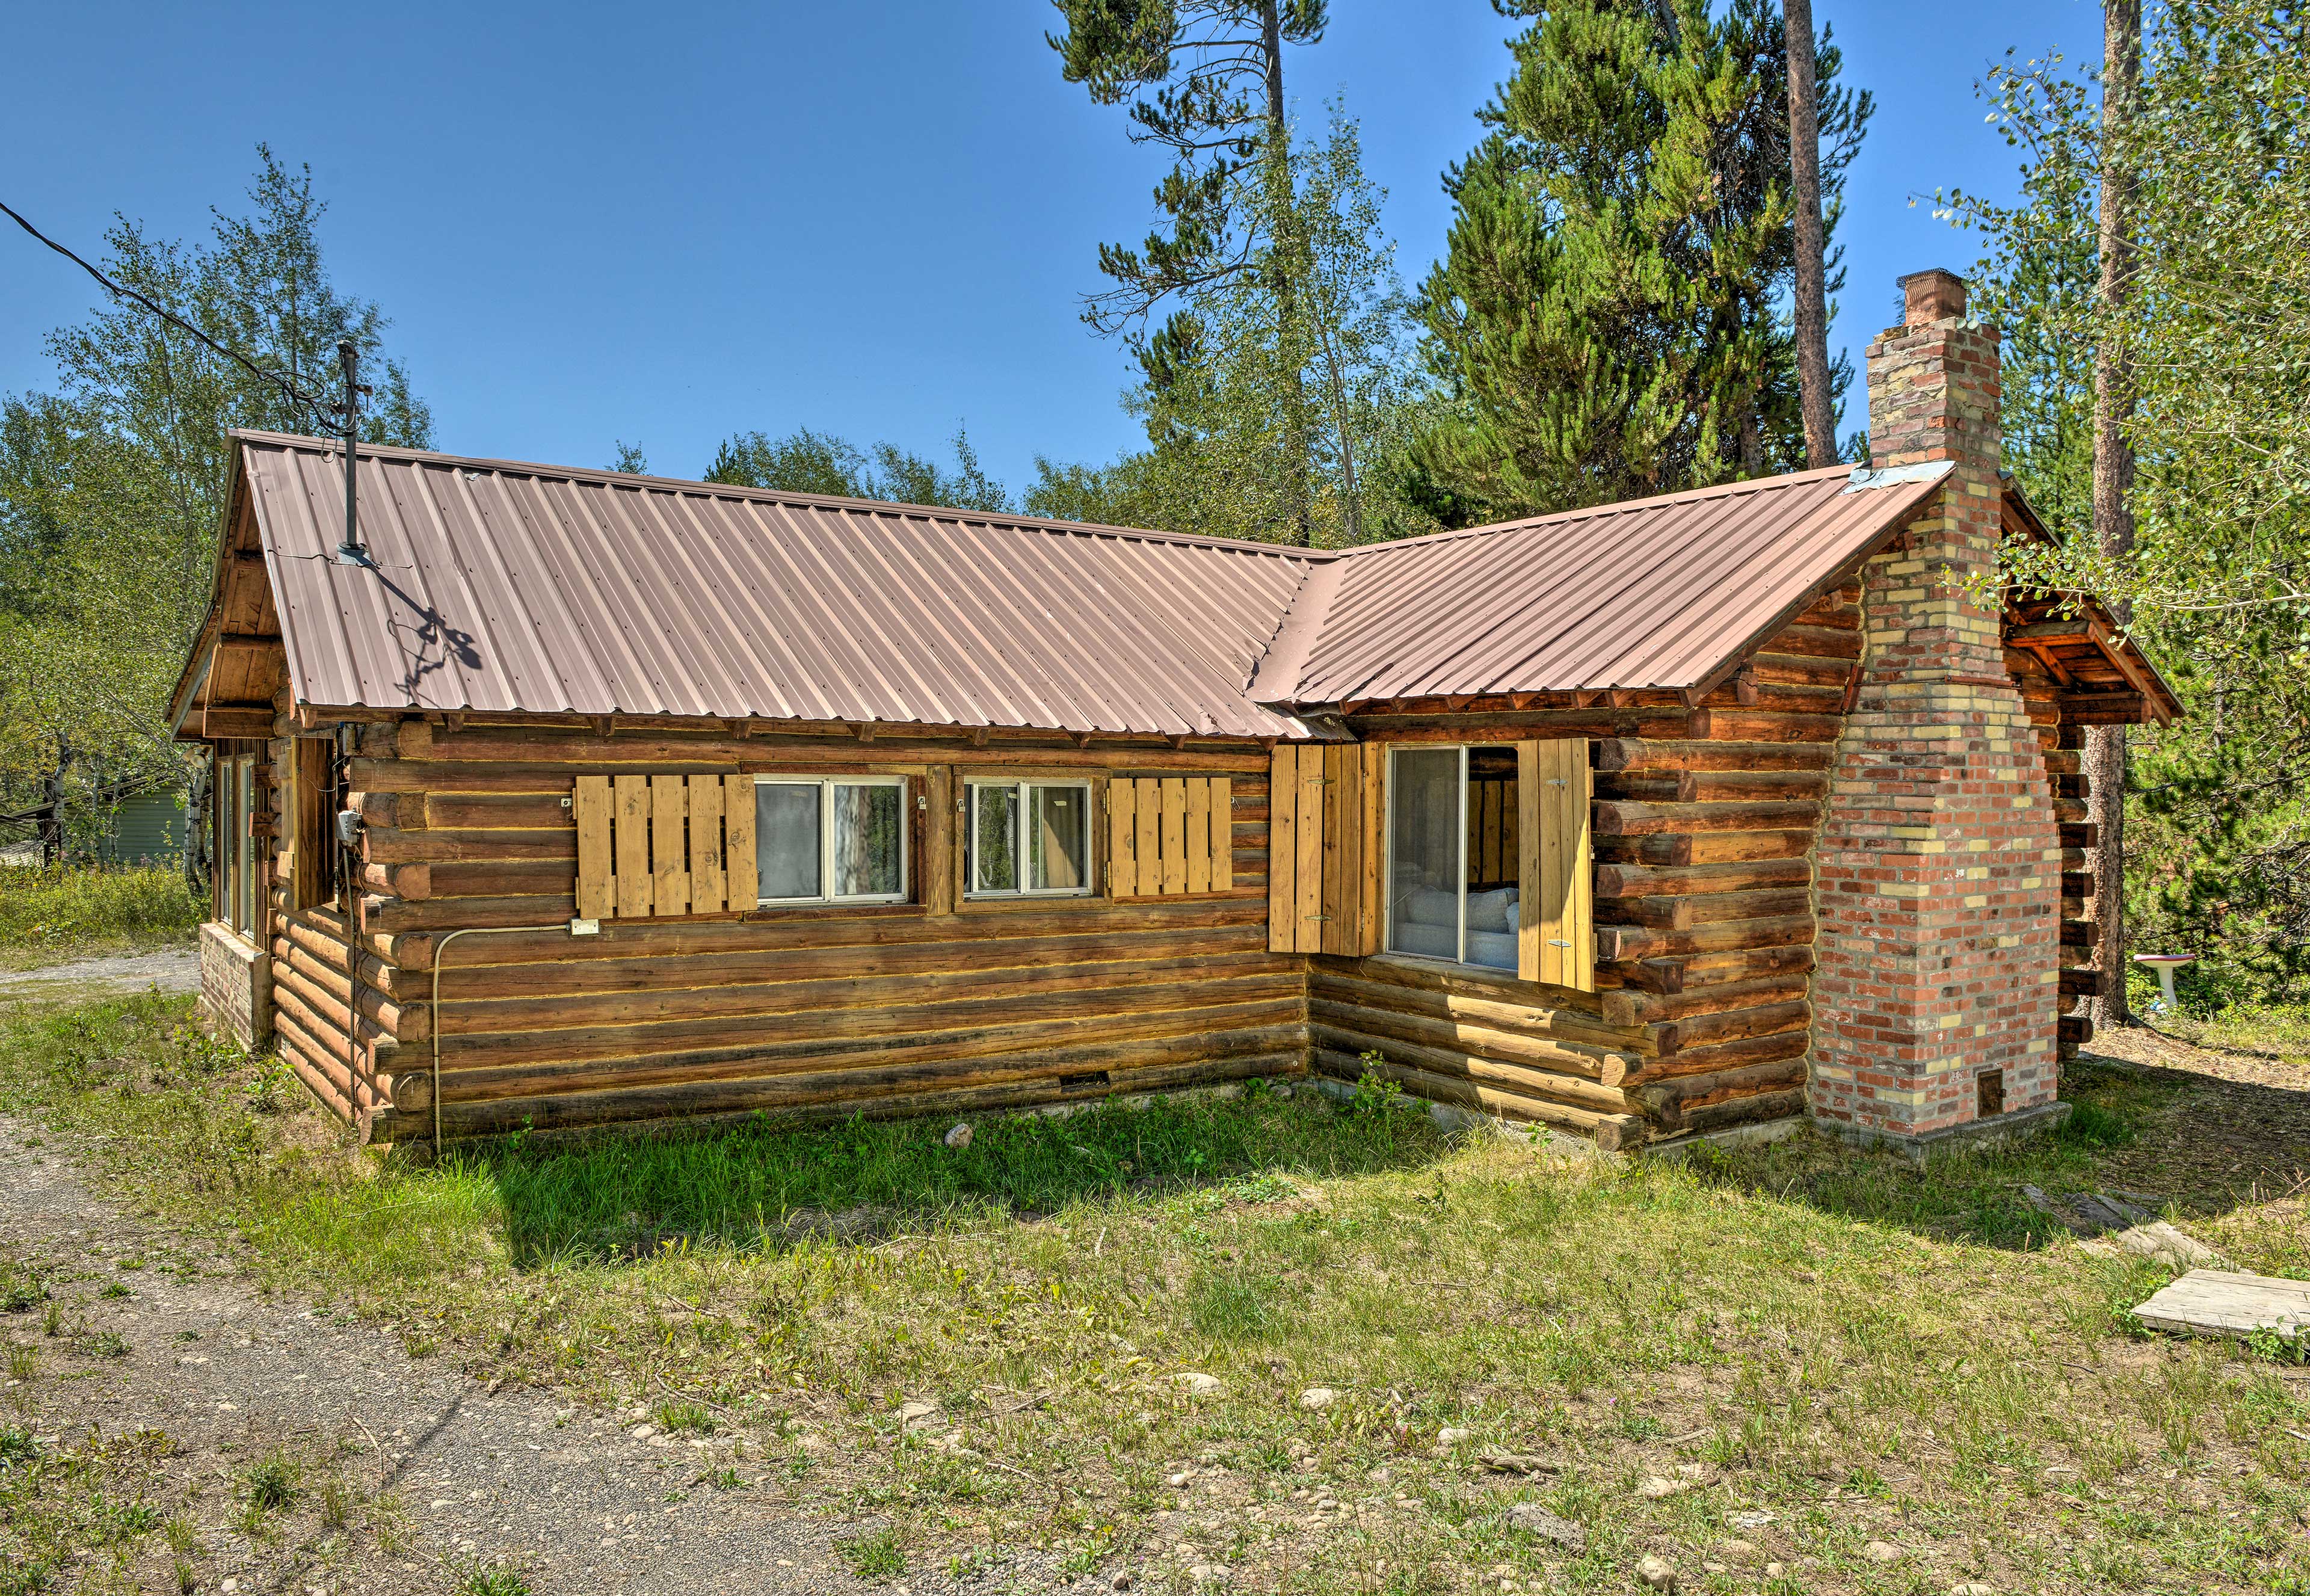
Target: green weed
[
  {"x": 495, "y": 1579},
  {"x": 56, "y": 911},
  {"x": 875, "y": 1556},
  {"x": 272, "y": 1484}
]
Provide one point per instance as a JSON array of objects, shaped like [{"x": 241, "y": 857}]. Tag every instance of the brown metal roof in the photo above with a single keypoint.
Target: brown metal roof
[
  {"x": 502, "y": 586},
  {"x": 1655, "y": 593}
]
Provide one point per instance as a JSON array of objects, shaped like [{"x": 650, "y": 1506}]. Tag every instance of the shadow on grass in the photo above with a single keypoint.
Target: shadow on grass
[
  {"x": 765, "y": 1184},
  {"x": 2194, "y": 1143}
]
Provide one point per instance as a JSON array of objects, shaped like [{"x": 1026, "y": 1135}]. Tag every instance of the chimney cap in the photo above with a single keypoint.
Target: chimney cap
[{"x": 1933, "y": 294}]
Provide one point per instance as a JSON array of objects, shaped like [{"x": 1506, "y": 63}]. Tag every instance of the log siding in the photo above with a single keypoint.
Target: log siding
[
  {"x": 942, "y": 1002},
  {"x": 1705, "y": 820}
]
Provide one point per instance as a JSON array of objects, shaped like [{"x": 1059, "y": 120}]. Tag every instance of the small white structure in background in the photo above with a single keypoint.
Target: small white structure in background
[{"x": 2166, "y": 964}]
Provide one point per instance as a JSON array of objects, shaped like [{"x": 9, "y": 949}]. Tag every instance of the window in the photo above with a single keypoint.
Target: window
[
  {"x": 235, "y": 847},
  {"x": 1028, "y": 838},
  {"x": 826, "y": 840},
  {"x": 1454, "y": 855}
]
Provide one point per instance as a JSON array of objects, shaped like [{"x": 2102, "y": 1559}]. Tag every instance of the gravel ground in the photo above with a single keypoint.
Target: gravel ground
[
  {"x": 171, "y": 969},
  {"x": 426, "y": 1475}
]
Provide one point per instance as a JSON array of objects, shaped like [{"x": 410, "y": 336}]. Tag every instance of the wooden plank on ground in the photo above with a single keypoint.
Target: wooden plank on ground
[
  {"x": 708, "y": 882},
  {"x": 738, "y": 841},
  {"x": 632, "y": 861},
  {"x": 2210, "y": 1302},
  {"x": 1122, "y": 836},
  {"x": 1174, "y": 835},
  {"x": 1199, "y": 845},
  {"x": 596, "y": 892}
]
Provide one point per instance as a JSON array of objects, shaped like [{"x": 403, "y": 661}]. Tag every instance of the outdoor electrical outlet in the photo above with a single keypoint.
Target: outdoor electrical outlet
[{"x": 585, "y": 928}]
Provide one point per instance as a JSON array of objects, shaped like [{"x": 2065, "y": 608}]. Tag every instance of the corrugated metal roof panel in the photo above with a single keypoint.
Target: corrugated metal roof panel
[
  {"x": 501, "y": 586},
  {"x": 1651, "y": 594}
]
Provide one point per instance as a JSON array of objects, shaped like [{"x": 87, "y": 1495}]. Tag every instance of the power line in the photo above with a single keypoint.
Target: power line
[{"x": 170, "y": 316}]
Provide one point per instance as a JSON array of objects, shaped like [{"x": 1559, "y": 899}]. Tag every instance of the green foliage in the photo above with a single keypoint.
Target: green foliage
[
  {"x": 875, "y": 1556},
  {"x": 112, "y": 488},
  {"x": 808, "y": 462},
  {"x": 1607, "y": 320},
  {"x": 272, "y": 1484},
  {"x": 1277, "y": 402},
  {"x": 1204, "y": 80},
  {"x": 493, "y": 1579},
  {"x": 1374, "y": 1093},
  {"x": 60, "y": 909},
  {"x": 2217, "y": 333}
]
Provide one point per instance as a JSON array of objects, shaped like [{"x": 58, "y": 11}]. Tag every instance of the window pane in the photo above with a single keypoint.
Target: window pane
[
  {"x": 1493, "y": 863},
  {"x": 785, "y": 838},
  {"x": 1423, "y": 889},
  {"x": 247, "y": 845},
  {"x": 994, "y": 839},
  {"x": 866, "y": 821},
  {"x": 1059, "y": 854}
]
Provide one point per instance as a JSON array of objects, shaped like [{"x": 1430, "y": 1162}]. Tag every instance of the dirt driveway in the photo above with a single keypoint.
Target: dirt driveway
[
  {"x": 158, "y": 1374},
  {"x": 173, "y": 968}
]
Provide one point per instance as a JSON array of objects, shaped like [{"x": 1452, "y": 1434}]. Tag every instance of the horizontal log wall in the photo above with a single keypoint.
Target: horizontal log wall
[
  {"x": 809, "y": 1011},
  {"x": 336, "y": 1033},
  {"x": 1704, "y": 823}
]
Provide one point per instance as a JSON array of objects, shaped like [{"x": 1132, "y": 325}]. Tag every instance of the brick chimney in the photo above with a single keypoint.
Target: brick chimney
[{"x": 1937, "y": 880}]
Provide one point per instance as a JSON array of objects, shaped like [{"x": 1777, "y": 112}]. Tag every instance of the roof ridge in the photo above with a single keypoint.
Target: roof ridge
[{"x": 583, "y": 474}]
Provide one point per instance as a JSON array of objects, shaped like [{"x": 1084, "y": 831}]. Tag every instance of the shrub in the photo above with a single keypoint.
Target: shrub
[{"x": 56, "y": 907}]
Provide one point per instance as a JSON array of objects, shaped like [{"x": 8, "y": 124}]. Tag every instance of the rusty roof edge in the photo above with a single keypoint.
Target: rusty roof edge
[
  {"x": 614, "y": 478},
  {"x": 1275, "y": 683}
]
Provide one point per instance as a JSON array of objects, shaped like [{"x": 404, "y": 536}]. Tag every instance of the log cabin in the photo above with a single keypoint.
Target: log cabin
[{"x": 574, "y": 799}]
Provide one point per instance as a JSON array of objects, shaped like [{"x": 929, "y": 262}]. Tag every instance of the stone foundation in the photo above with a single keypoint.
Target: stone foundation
[{"x": 236, "y": 985}]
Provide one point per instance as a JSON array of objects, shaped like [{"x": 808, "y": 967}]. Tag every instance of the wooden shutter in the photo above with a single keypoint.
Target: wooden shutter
[
  {"x": 1170, "y": 837},
  {"x": 1556, "y": 935},
  {"x": 1324, "y": 851},
  {"x": 663, "y": 845}
]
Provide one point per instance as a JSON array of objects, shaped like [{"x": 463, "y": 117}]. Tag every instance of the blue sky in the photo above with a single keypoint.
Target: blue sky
[{"x": 591, "y": 223}]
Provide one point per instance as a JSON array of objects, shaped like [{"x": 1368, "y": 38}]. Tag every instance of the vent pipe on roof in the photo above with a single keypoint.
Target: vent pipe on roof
[{"x": 350, "y": 551}]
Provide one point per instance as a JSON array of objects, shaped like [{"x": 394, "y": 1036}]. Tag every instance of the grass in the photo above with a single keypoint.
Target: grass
[
  {"x": 48, "y": 913},
  {"x": 1853, "y": 1350}
]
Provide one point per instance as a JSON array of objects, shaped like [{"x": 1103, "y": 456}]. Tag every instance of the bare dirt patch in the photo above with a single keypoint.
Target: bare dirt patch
[{"x": 155, "y": 1374}]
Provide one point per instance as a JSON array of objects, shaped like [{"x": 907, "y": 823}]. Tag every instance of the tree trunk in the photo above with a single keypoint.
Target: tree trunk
[
  {"x": 52, "y": 828},
  {"x": 1813, "y": 264},
  {"x": 2113, "y": 480},
  {"x": 1300, "y": 441}
]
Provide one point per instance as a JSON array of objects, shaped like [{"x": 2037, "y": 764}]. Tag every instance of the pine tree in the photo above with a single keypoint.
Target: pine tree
[
  {"x": 1606, "y": 322},
  {"x": 1204, "y": 80}
]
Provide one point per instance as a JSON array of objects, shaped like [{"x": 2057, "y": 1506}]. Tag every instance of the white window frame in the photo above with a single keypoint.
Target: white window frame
[
  {"x": 1459, "y": 856},
  {"x": 826, "y": 786},
  {"x": 1019, "y": 785}
]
